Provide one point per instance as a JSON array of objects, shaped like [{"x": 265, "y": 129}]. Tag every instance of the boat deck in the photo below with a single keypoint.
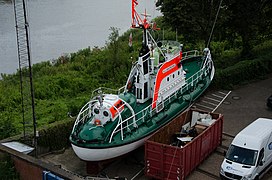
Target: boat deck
[{"x": 194, "y": 64}]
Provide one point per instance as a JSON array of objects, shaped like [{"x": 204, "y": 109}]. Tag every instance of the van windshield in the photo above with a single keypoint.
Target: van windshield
[{"x": 242, "y": 155}]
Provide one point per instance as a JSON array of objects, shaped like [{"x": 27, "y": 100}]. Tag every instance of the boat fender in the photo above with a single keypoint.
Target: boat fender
[
  {"x": 97, "y": 122},
  {"x": 129, "y": 86}
]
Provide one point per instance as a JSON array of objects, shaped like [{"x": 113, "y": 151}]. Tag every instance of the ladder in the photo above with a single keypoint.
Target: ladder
[{"x": 25, "y": 70}]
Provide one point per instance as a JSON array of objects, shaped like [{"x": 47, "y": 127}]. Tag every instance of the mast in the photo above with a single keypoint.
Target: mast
[
  {"x": 138, "y": 22},
  {"x": 24, "y": 55}
]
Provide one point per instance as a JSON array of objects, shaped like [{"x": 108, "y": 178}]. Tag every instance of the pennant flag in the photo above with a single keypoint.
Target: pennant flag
[{"x": 130, "y": 40}]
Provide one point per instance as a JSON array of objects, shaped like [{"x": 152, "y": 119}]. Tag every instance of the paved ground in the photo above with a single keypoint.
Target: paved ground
[
  {"x": 242, "y": 106},
  {"x": 246, "y": 104}
]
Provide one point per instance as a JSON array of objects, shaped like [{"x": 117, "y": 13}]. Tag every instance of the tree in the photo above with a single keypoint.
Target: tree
[
  {"x": 192, "y": 18},
  {"x": 116, "y": 65},
  {"x": 249, "y": 19},
  {"x": 7, "y": 127}
]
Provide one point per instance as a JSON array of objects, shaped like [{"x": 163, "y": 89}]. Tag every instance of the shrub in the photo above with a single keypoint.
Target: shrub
[
  {"x": 56, "y": 136},
  {"x": 242, "y": 72}
]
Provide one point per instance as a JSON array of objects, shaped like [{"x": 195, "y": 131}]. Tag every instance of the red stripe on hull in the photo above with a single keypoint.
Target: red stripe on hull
[{"x": 163, "y": 72}]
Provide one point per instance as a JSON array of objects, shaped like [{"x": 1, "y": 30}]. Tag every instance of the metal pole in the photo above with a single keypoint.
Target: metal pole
[{"x": 30, "y": 79}]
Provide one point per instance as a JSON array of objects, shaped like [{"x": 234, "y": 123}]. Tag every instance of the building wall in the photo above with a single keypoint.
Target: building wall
[{"x": 27, "y": 170}]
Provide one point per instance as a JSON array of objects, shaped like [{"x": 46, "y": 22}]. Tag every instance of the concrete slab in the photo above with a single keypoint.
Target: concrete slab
[
  {"x": 198, "y": 176},
  {"x": 68, "y": 161},
  {"x": 212, "y": 164},
  {"x": 226, "y": 141},
  {"x": 246, "y": 104},
  {"x": 130, "y": 166}
]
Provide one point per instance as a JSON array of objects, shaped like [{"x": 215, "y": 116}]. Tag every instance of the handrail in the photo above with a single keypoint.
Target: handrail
[
  {"x": 120, "y": 119},
  {"x": 170, "y": 47},
  {"x": 102, "y": 90},
  {"x": 116, "y": 130},
  {"x": 189, "y": 54},
  {"x": 192, "y": 81},
  {"x": 83, "y": 112}
]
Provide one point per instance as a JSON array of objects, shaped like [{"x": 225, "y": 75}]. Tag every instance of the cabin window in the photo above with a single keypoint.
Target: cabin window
[
  {"x": 261, "y": 155},
  {"x": 105, "y": 113},
  {"x": 96, "y": 111},
  {"x": 178, "y": 72},
  {"x": 167, "y": 78},
  {"x": 146, "y": 60},
  {"x": 145, "y": 66},
  {"x": 139, "y": 93},
  {"x": 173, "y": 75},
  {"x": 145, "y": 90}
]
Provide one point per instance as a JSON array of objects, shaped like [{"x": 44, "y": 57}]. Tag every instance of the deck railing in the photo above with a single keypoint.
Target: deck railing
[
  {"x": 140, "y": 116},
  {"x": 148, "y": 111},
  {"x": 104, "y": 90},
  {"x": 189, "y": 54}
]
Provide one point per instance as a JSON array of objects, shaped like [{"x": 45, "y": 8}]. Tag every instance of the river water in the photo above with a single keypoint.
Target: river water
[{"x": 58, "y": 27}]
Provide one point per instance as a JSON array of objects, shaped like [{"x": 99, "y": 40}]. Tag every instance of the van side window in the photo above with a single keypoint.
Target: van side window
[{"x": 261, "y": 155}]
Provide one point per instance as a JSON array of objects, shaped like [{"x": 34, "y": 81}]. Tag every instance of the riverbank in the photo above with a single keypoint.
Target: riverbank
[{"x": 58, "y": 28}]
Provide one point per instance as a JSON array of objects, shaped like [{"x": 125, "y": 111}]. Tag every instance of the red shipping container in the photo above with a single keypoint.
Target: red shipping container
[{"x": 164, "y": 161}]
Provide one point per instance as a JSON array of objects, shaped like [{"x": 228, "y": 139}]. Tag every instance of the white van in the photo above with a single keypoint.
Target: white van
[{"x": 250, "y": 153}]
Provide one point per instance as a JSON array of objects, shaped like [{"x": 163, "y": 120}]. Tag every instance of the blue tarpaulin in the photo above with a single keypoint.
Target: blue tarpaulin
[{"x": 47, "y": 175}]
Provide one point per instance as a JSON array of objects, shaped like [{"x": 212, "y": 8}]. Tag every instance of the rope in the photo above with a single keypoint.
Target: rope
[
  {"x": 214, "y": 23},
  {"x": 191, "y": 100}
]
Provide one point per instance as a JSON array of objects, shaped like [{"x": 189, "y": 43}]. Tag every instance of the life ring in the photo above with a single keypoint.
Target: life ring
[{"x": 97, "y": 122}]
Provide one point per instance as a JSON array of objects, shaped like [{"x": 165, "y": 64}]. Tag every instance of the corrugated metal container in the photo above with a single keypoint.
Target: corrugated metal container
[{"x": 165, "y": 161}]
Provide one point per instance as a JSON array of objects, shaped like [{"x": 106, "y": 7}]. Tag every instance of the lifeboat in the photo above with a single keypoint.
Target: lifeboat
[{"x": 163, "y": 83}]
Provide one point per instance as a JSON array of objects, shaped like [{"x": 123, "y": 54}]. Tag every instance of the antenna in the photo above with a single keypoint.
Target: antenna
[
  {"x": 219, "y": 7},
  {"x": 138, "y": 22},
  {"x": 24, "y": 55}
]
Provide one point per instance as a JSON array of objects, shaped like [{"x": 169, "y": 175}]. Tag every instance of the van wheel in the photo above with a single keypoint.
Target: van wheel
[{"x": 256, "y": 178}]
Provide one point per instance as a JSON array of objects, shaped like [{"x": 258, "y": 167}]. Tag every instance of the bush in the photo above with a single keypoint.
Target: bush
[
  {"x": 242, "y": 72},
  {"x": 56, "y": 136},
  {"x": 7, "y": 169},
  {"x": 7, "y": 127}
]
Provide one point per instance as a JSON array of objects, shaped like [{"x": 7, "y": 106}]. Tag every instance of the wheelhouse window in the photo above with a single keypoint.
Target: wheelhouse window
[
  {"x": 145, "y": 90},
  {"x": 146, "y": 62},
  {"x": 139, "y": 93},
  {"x": 145, "y": 66}
]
